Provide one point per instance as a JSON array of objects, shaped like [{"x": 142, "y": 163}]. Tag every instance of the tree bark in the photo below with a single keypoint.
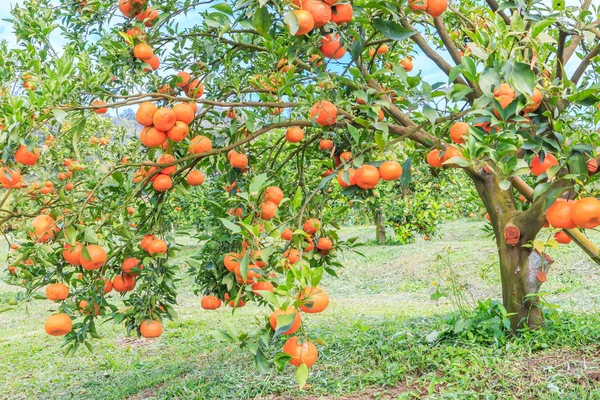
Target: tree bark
[
  {"x": 380, "y": 226},
  {"x": 522, "y": 269}
]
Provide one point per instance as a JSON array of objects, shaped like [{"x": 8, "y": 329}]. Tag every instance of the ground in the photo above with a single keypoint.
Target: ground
[{"x": 384, "y": 338}]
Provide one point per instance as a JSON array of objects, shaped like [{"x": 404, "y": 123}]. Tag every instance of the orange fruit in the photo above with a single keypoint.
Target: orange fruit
[
  {"x": 72, "y": 254},
  {"x": 324, "y": 244},
  {"x": 239, "y": 161},
  {"x": 200, "y": 144},
  {"x": 97, "y": 257},
  {"x": 274, "y": 194},
  {"x": 195, "y": 89},
  {"x": 151, "y": 329},
  {"x": 367, "y": 176},
  {"x": 331, "y": 47},
  {"x": 100, "y": 103},
  {"x": 505, "y": 94},
  {"x": 9, "y": 177},
  {"x": 231, "y": 261},
  {"x": 316, "y": 298},
  {"x": 210, "y": 302},
  {"x": 143, "y": 52},
  {"x": 538, "y": 168},
  {"x": 57, "y": 291},
  {"x": 294, "y": 134},
  {"x": 390, "y": 170},
  {"x": 351, "y": 176},
  {"x": 268, "y": 210},
  {"x": 124, "y": 283},
  {"x": 148, "y": 17},
  {"x": 162, "y": 183},
  {"x": 157, "y": 246},
  {"x": 311, "y": 226},
  {"x": 320, "y": 12},
  {"x": 195, "y": 178},
  {"x": 341, "y": 13},
  {"x": 301, "y": 352},
  {"x": 458, "y": 131},
  {"x": 167, "y": 159},
  {"x": 178, "y": 132},
  {"x": 536, "y": 101},
  {"x": 586, "y": 213},
  {"x": 562, "y": 238},
  {"x": 434, "y": 159},
  {"x": 58, "y": 325},
  {"x": 184, "y": 112},
  {"x": 26, "y": 157},
  {"x": 324, "y": 113},
  {"x": 130, "y": 264},
  {"x": 146, "y": 241},
  {"x": 407, "y": 64},
  {"x": 145, "y": 113},
  {"x": 287, "y": 234},
  {"x": 325, "y": 144},
  {"x": 560, "y": 214},
  {"x": 306, "y": 22},
  {"x": 153, "y": 62},
  {"x": 164, "y": 119},
  {"x": 185, "y": 79},
  {"x": 295, "y": 324},
  {"x": 152, "y": 137}
]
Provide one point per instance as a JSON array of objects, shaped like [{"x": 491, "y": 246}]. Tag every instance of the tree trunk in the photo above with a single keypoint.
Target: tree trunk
[
  {"x": 380, "y": 226},
  {"x": 522, "y": 271}
]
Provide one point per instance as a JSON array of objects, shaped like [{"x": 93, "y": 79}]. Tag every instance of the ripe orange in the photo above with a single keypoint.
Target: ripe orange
[
  {"x": 162, "y": 183},
  {"x": 57, "y": 291},
  {"x": 44, "y": 225},
  {"x": 390, "y": 170},
  {"x": 538, "y": 168},
  {"x": 195, "y": 89},
  {"x": 58, "y": 325},
  {"x": 107, "y": 286},
  {"x": 185, "y": 79},
  {"x": 145, "y": 113},
  {"x": 324, "y": 244},
  {"x": 153, "y": 62},
  {"x": 200, "y": 144},
  {"x": 341, "y": 13},
  {"x": 84, "y": 307},
  {"x": 325, "y": 144},
  {"x": 71, "y": 254},
  {"x": 210, "y": 302},
  {"x": 505, "y": 94},
  {"x": 451, "y": 152},
  {"x": 320, "y": 12},
  {"x": 231, "y": 261},
  {"x": 302, "y": 353},
  {"x": 274, "y": 194},
  {"x": 346, "y": 156},
  {"x": 158, "y": 246},
  {"x": 184, "y": 112},
  {"x": 99, "y": 103},
  {"x": 143, "y": 52},
  {"x": 296, "y": 320},
  {"x": 268, "y": 210},
  {"x": 130, "y": 264},
  {"x": 458, "y": 131},
  {"x": 367, "y": 176},
  {"x": 351, "y": 176},
  {"x": 560, "y": 214},
  {"x": 294, "y": 134},
  {"x": 164, "y": 119},
  {"x": 151, "y": 329},
  {"x": 124, "y": 283},
  {"x": 152, "y": 137},
  {"x": 9, "y": 177},
  {"x": 148, "y": 17},
  {"x": 195, "y": 178},
  {"x": 586, "y": 213},
  {"x": 536, "y": 101},
  {"x": 292, "y": 256},
  {"x": 434, "y": 159},
  {"x": 306, "y": 22},
  {"x": 178, "y": 132},
  {"x": 311, "y": 226},
  {"x": 26, "y": 157},
  {"x": 239, "y": 161},
  {"x": 146, "y": 241},
  {"x": 316, "y": 298},
  {"x": 167, "y": 159},
  {"x": 287, "y": 234},
  {"x": 324, "y": 113},
  {"x": 407, "y": 64},
  {"x": 332, "y": 47},
  {"x": 562, "y": 238},
  {"x": 97, "y": 257}
]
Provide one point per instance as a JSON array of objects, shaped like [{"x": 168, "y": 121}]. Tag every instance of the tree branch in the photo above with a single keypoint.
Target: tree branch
[{"x": 585, "y": 63}]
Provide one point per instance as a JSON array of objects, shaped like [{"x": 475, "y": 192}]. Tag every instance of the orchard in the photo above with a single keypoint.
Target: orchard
[{"x": 279, "y": 115}]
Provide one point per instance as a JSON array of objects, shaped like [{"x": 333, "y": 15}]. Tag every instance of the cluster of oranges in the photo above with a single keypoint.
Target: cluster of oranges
[{"x": 140, "y": 10}]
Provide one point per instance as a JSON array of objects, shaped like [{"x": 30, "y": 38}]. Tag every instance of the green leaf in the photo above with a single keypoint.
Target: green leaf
[
  {"x": 380, "y": 141},
  {"x": 302, "y": 375},
  {"x": 224, "y": 8},
  {"x": 430, "y": 114},
  {"x": 392, "y": 30},
  {"x": 222, "y": 336},
  {"x": 292, "y": 22},
  {"x": 489, "y": 79},
  {"x": 539, "y": 26},
  {"x": 230, "y": 225},
  {"x": 297, "y": 200},
  {"x": 504, "y": 184},
  {"x": 257, "y": 183},
  {"x": 60, "y": 115},
  {"x": 263, "y": 21},
  {"x": 523, "y": 78},
  {"x": 268, "y": 296}
]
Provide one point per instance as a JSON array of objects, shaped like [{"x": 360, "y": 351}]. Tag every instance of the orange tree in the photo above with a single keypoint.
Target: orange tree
[{"x": 274, "y": 101}]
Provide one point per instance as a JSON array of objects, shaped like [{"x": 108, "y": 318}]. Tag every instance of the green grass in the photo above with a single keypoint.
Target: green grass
[{"x": 376, "y": 333}]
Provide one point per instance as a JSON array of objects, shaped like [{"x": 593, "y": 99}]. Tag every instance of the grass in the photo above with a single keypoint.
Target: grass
[{"x": 377, "y": 330}]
